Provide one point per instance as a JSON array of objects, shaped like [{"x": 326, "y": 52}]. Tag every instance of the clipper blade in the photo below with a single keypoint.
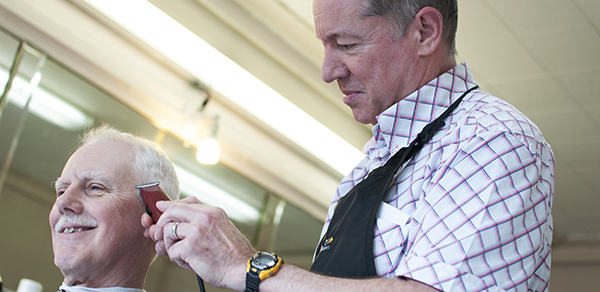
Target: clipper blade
[{"x": 150, "y": 194}]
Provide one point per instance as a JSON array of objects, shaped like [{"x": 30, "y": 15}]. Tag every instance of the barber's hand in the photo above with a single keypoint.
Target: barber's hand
[
  {"x": 148, "y": 223},
  {"x": 209, "y": 244}
]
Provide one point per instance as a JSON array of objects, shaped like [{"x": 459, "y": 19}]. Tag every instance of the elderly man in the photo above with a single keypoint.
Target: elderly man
[
  {"x": 97, "y": 238},
  {"x": 455, "y": 191}
]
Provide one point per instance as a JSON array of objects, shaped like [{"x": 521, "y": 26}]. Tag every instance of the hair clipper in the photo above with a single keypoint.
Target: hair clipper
[{"x": 150, "y": 194}]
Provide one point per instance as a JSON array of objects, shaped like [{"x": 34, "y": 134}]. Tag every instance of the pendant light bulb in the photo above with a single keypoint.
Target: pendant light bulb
[{"x": 208, "y": 151}]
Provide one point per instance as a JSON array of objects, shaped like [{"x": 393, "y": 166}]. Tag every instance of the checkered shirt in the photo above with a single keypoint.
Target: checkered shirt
[{"x": 477, "y": 199}]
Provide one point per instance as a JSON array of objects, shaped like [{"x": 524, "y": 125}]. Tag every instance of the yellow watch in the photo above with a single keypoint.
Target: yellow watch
[{"x": 261, "y": 266}]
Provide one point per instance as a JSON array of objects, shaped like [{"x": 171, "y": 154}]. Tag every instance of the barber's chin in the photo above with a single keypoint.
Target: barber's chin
[{"x": 363, "y": 118}]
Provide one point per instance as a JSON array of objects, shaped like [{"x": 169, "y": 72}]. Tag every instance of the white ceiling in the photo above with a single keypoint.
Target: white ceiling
[{"x": 540, "y": 55}]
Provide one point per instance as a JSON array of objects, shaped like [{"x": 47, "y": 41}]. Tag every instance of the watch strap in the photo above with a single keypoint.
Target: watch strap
[{"x": 252, "y": 281}]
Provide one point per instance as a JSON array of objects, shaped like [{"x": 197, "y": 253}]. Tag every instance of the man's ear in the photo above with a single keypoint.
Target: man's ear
[{"x": 428, "y": 22}]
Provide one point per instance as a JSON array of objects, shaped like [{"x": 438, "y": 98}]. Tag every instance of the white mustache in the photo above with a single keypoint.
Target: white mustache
[{"x": 70, "y": 220}]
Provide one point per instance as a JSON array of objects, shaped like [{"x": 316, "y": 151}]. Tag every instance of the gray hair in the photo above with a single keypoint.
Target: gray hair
[
  {"x": 151, "y": 162},
  {"x": 402, "y": 13}
]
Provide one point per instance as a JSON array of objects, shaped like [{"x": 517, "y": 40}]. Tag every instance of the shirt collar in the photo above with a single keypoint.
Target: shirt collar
[
  {"x": 403, "y": 121},
  {"x": 66, "y": 288}
]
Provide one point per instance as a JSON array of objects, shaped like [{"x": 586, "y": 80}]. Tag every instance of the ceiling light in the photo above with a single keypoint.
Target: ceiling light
[
  {"x": 209, "y": 151},
  {"x": 45, "y": 105},
  {"x": 220, "y": 73}
]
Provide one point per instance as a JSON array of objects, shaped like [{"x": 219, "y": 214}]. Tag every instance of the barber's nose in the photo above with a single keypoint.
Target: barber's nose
[
  {"x": 70, "y": 201},
  {"x": 333, "y": 66}
]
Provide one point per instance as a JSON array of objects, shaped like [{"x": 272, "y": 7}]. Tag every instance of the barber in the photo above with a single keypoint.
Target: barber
[{"x": 455, "y": 191}]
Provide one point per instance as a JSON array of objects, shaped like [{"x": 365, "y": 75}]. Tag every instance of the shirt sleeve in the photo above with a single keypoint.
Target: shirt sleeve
[{"x": 485, "y": 221}]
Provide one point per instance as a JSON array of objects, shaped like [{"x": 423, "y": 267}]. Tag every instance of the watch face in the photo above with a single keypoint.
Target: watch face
[{"x": 263, "y": 261}]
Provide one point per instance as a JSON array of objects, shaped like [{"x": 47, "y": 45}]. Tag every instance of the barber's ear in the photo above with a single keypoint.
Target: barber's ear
[{"x": 428, "y": 22}]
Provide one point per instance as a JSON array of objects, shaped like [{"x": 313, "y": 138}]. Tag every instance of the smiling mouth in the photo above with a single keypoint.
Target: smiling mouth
[{"x": 76, "y": 229}]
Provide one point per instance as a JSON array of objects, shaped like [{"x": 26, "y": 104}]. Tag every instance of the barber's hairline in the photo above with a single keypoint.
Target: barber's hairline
[{"x": 398, "y": 32}]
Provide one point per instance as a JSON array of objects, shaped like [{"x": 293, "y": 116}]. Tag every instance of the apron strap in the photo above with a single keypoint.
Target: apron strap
[
  {"x": 346, "y": 249},
  {"x": 428, "y": 131}
]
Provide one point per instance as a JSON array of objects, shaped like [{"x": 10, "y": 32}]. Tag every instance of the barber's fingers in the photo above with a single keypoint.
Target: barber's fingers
[
  {"x": 189, "y": 210},
  {"x": 209, "y": 243},
  {"x": 163, "y": 206},
  {"x": 166, "y": 218},
  {"x": 196, "y": 250},
  {"x": 160, "y": 248},
  {"x": 164, "y": 241},
  {"x": 171, "y": 234},
  {"x": 147, "y": 221},
  {"x": 159, "y": 231},
  {"x": 174, "y": 244},
  {"x": 178, "y": 253},
  {"x": 178, "y": 211}
]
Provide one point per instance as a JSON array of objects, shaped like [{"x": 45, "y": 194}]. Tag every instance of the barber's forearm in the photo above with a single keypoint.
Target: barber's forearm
[{"x": 292, "y": 278}]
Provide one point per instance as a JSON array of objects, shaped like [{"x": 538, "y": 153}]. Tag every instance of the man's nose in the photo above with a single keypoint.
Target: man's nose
[
  {"x": 333, "y": 66},
  {"x": 70, "y": 201}
]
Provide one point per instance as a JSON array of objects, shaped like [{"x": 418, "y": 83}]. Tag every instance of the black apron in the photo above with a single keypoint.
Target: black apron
[{"x": 346, "y": 249}]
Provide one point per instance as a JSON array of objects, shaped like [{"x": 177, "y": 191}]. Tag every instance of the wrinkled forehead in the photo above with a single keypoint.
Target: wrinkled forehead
[
  {"x": 335, "y": 14},
  {"x": 104, "y": 159},
  {"x": 327, "y": 5}
]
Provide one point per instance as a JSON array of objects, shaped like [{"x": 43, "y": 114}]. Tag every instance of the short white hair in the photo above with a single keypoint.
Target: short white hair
[{"x": 151, "y": 163}]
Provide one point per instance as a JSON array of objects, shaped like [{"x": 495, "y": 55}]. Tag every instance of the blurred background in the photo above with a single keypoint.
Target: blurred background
[{"x": 246, "y": 73}]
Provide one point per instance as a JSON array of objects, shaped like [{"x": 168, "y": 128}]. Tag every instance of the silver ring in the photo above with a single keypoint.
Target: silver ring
[{"x": 174, "y": 231}]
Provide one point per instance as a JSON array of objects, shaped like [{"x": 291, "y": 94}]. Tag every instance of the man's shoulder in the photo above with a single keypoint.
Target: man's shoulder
[{"x": 484, "y": 113}]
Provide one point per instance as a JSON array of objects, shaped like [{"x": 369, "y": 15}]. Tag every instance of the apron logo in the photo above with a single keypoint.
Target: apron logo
[{"x": 326, "y": 244}]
